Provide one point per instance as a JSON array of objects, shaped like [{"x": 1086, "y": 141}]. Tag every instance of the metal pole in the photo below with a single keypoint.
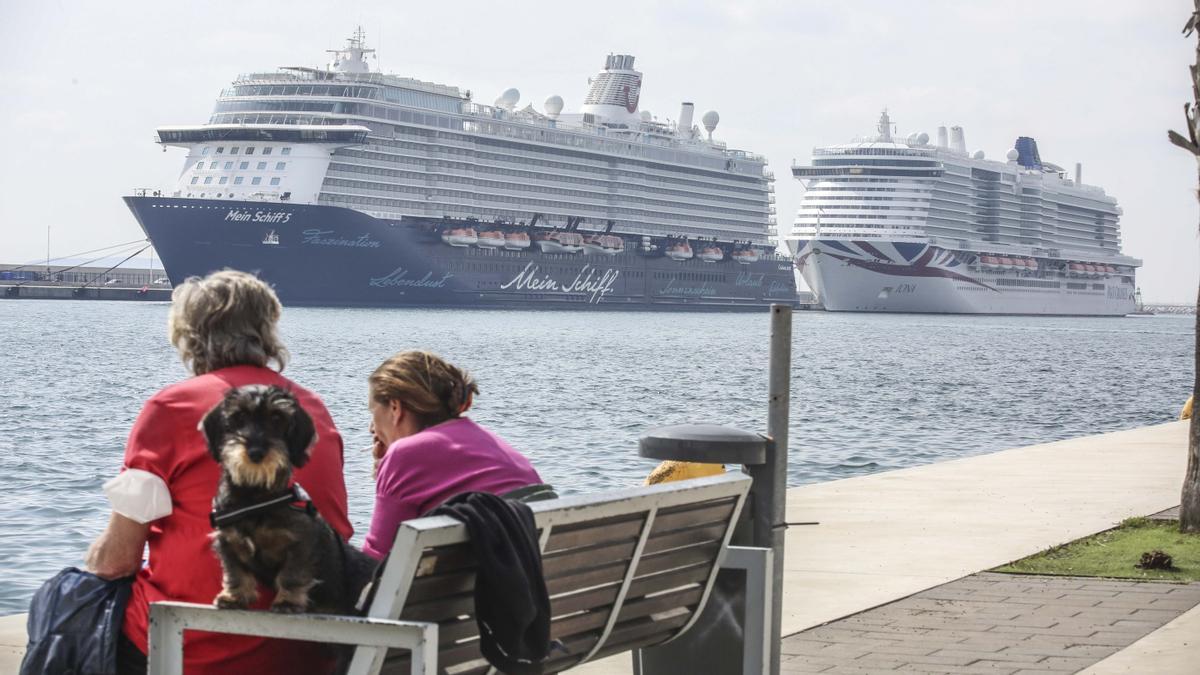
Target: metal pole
[{"x": 777, "y": 428}]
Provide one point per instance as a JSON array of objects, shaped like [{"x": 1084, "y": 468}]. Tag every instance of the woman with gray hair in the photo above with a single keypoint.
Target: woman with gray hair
[{"x": 224, "y": 327}]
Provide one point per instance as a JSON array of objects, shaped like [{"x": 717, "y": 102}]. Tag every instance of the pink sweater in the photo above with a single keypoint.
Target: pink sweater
[{"x": 421, "y": 471}]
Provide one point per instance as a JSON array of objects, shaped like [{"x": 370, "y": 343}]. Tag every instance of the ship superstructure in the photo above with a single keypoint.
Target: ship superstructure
[
  {"x": 906, "y": 225},
  {"x": 503, "y": 180}
]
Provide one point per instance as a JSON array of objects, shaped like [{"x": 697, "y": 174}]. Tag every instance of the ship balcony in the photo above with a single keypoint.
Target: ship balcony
[{"x": 340, "y": 135}]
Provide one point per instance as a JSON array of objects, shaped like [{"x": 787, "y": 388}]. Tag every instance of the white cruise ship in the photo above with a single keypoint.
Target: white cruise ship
[
  {"x": 344, "y": 185},
  {"x": 893, "y": 224}
]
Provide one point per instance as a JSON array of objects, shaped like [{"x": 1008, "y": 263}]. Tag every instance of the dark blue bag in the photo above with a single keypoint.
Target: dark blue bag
[{"x": 75, "y": 623}]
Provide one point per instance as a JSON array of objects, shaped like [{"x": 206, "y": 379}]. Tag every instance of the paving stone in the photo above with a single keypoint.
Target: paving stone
[
  {"x": 991, "y": 668},
  {"x": 1029, "y": 621},
  {"x": 802, "y": 667},
  {"x": 991, "y": 623},
  {"x": 1072, "y": 664},
  {"x": 1169, "y": 602},
  {"x": 1159, "y": 615},
  {"x": 975, "y": 655}
]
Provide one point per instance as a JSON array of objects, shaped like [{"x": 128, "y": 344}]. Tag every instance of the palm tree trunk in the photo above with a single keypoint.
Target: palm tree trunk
[{"x": 1189, "y": 501}]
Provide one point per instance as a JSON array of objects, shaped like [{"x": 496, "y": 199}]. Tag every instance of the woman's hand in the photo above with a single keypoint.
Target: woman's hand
[{"x": 378, "y": 449}]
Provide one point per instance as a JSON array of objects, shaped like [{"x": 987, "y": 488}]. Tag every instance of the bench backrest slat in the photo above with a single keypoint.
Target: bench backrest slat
[{"x": 589, "y": 545}]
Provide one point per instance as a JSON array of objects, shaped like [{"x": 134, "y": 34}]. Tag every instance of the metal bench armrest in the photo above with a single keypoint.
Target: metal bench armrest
[{"x": 168, "y": 620}]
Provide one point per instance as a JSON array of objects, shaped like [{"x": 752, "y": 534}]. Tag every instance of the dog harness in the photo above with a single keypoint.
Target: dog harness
[{"x": 296, "y": 499}]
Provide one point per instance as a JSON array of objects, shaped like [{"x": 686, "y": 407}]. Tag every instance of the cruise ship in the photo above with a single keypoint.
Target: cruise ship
[
  {"x": 891, "y": 224},
  {"x": 345, "y": 186}
]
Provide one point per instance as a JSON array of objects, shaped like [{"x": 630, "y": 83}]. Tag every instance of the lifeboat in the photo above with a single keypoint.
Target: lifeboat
[
  {"x": 607, "y": 244},
  {"x": 491, "y": 239},
  {"x": 680, "y": 250},
  {"x": 711, "y": 254},
  {"x": 1032, "y": 264},
  {"x": 559, "y": 242},
  {"x": 460, "y": 236},
  {"x": 1006, "y": 263},
  {"x": 1075, "y": 269},
  {"x": 745, "y": 256},
  {"x": 517, "y": 241}
]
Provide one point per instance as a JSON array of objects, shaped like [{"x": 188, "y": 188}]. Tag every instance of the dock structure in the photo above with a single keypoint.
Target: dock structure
[{"x": 896, "y": 535}]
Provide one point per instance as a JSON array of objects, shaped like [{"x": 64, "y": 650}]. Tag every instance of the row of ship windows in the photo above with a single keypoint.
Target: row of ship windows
[
  {"x": 541, "y": 171},
  {"x": 489, "y": 128},
  {"x": 533, "y": 156},
  {"x": 811, "y": 196},
  {"x": 861, "y": 207},
  {"x": 379, "y": 157},
  {"x": 392, "y": 94},
  {"x": 421, "y": 169},
  {"x": 237, "y": 180},
  {"x": 869, "y": 151},
  {"x": 249, "y": 150},
  {"x": 847, "y": 216},
  {"x": 422, "y": 205},
  {"x": 399, "y": 208},
  {"x": 214, "y": 166},
  {"x": 473, "y": 184},
  {"x": 875, "y": 162},
  {"x": 525, "y": 201},
  {"x": 577, "y": 165}
]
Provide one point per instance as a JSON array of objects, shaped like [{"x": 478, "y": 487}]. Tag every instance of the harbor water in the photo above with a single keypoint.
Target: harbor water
[{"x": 573, "y": 391}]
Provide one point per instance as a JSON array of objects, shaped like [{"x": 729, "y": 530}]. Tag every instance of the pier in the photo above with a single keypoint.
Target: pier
[{"x": 914, "y": 533}]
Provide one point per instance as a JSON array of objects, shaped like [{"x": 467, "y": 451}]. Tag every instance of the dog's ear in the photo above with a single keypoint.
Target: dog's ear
[
  {"x": 212, "y": 425},
  {"x": 300, "y": 435}
]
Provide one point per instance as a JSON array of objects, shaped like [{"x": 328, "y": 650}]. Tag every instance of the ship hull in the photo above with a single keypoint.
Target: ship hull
[
  {"x": 881, "y": 276},
  {"x": 333, "y": 256}
]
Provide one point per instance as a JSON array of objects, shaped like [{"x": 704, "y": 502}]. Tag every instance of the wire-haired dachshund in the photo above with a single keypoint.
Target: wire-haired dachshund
[{"x": 267, "y": 530}]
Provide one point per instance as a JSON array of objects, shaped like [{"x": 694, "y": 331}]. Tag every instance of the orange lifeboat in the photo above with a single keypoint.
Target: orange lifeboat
[
  {"x": 559, "y": 242},
  {"x": 745, "y": 256},
  {"x": 517, "y": 241},
  {"x": 607, "y": 244},
  {"x": 711, "y": 254},
  {"x": 460, "y": 236},
  {"x": 680, "y": 250},
  {"x": 491, "y": 239}
]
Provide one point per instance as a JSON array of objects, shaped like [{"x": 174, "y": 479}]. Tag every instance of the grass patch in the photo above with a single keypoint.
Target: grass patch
[{"x": 1115, "y": 553}]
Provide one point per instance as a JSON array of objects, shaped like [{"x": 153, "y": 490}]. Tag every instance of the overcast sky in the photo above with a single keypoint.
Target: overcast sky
[{"x": 1094, "y": 81}]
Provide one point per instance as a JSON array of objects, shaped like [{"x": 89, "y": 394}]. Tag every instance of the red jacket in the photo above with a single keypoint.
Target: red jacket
[{"x": 165, "y": 441}]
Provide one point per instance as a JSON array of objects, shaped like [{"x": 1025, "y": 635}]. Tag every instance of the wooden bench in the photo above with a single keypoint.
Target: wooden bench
[{"x": 625, "y": 570}]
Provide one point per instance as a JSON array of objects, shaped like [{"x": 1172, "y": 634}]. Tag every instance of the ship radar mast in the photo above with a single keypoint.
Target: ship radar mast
[
  {"x": 350, "y": 59},
  {"x": 885, "y": 127}
]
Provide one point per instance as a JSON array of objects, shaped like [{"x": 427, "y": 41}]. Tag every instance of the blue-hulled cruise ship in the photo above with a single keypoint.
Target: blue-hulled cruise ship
[{"x": 346, "y": 186}]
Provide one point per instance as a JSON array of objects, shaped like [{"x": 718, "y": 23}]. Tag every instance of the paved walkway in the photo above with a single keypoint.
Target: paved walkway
[
  {"x": 993, "y": 623},
  {"x": 891, "y": 535},
  {"x": 888, "y": 536}
]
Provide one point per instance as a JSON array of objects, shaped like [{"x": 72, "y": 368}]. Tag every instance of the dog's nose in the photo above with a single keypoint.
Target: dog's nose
[{"x": 256, "y": 454}]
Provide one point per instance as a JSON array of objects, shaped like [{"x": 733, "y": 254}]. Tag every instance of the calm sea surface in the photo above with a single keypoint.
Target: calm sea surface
[{"x": 574, "y": 390}]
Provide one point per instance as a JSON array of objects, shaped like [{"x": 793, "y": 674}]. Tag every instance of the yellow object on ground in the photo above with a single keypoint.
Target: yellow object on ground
[
  {"x": 1186, "y": 413},
  {"x": 671, "y": 471}
]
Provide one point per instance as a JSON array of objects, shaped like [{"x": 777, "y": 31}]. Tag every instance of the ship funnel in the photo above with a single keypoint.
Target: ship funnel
[
  {"x": 957, "y": 140},
  {"x": 1078, "y": 173},
  {"x": 685, "y": 120},
  {"x": 942, "y": 143}
]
